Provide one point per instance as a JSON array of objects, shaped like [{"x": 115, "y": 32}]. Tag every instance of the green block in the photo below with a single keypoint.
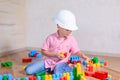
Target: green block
[
  {"x": 41, "y": 73},
  {"x": 95, "y": 60},
  {"x": 4, "y": 77},
  {"x": 9, "y": 63},
  {"x": 3, "y": 64},
  {"x": 43, "y": 77},
  {"x": 74, "y": 73},
  {"x": 22, "y": 78},
  {"x": 79, "y": 76}
]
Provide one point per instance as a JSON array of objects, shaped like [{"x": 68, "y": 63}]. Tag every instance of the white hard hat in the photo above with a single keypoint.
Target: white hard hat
[{"x": 66, "y": 19}]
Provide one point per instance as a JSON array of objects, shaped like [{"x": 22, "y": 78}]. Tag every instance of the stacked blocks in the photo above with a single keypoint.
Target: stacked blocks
[{"x": 33, "y": 53}]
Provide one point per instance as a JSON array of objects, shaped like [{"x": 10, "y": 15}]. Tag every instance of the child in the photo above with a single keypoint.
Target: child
[{"x": 61, "y": 41}]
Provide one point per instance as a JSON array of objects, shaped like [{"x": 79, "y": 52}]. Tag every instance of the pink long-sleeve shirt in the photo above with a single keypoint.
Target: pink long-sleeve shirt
[{"x": 54, "y": 44}]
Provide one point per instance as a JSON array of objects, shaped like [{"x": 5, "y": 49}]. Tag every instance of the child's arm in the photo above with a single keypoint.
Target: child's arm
[
  {"x": 82, "y": 55},
  {"x": 51, "y": 54}
]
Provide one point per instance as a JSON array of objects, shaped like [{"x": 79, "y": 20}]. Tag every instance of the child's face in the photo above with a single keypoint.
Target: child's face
[{"x": 63, "y": 32}]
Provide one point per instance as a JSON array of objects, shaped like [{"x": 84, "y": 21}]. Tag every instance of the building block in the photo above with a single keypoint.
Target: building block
[
  {"x": 74, "y": 59},
  {"x": 22, "y": 78},
  {"x": 64, "y": 54},
  {"x": 90, "y": 68},
  {"x": 32, "y": 78},
  {"x": 95, "y": 60},
  {"x": 17, "y": 78},
  {"x": 32, "y": 53},
  {"x": 105, "y": 63},
  {"x": 4, "y": 77},
  {"x": 1, "y": 77},
  {"x": 39, "y": 55},
  {"x": 26, "y": 78},
  {"x": 26, "y": 60},
  {"x": 9, "y": 76},
  {"x": 38, "y": 78},
  {"x": 88, "y": 73},
  {"x": 9, "y": 64},
  {"x": 102, "y": 75},
  {"x": 108, "y": 79},
  {"x": 84, "y": 63},
  {"x": 40, "y": 73}
]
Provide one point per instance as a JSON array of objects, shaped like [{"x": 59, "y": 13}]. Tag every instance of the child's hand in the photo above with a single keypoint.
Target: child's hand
[
  {"x": 59, "y": 56},
  {"x": 88, "y": 59}
]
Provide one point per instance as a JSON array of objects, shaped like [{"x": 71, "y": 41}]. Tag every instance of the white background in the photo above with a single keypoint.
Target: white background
[{"x": 98, "y": 21}]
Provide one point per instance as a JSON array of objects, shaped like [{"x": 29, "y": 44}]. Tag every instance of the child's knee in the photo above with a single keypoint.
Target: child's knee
[{"x": 28, "y": 71}]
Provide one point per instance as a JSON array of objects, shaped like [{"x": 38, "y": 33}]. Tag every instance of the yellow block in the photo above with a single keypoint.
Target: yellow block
[
  {"x": 82, "y": 78},
  {"x": 24, "y": 67},
  {"x": 109, "y": 76}
]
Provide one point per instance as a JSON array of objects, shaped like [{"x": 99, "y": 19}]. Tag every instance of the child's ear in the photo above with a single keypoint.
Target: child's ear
[{"x": 58, "y": 26}]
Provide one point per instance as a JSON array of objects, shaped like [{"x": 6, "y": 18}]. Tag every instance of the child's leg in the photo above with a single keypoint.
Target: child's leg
[
  {"x": 35, "y": 67},
  {"x": 62, "y": 68}
]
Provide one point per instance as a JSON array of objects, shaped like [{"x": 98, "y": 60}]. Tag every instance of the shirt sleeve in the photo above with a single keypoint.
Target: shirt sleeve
[
  {"x": 46, "y": 44},
  {"x": 74, "y": 46}
]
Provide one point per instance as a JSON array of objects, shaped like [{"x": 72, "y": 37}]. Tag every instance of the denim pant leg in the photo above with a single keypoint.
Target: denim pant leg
[
  {"x": 35, "y": 67},
  {"x": 62, "y": 68}
]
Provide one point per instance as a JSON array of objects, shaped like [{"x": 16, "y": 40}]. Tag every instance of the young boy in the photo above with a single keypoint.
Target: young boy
[{"x": 61, "y": 41}]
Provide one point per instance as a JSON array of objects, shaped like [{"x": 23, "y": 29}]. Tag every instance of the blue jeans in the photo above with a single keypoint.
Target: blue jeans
[
  {"x": 62, "y": 68},
  {"x": 35, "y": 67},
  {"x": 39, "y": 66}
]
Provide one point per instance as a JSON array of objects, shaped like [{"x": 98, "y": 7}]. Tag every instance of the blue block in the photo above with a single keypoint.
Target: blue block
[
  {"x": 101, "y": 61},
  {"x": 1, "y": 77},
  {"x": 14, "y": 78},
  {"x": 17, "y": 78},
  {"x": 32, "y": 52},
  {"x": 74, "y": 58},
  {"x": 9, "y": 76},
  {"x": 38, "y": 78},
  {"x": 84, "y": 63},
  {"x": 108, "y": 79},
  {"x": 39, "y": 55},
  {"x": 26, "y": 78}
]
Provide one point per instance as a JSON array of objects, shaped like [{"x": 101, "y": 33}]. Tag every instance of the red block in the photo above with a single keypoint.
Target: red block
[
  {"x": 88, "y": 73},
  {"x": 78, "y": 61},
  {"x": 74, "y": 62},
  {"x": 26, "y": 59},
  {"x": 68, "y": 62},
  {"x": 35, "y": 54},
  {"x": 90, "y": 68},
  {"x": 65, "y": 54},
  {"x": 31, "y": 78},
  {"x": 102, "y": 75},
  {"x": 34, "y": 78},
  {"x": 105, "y": 63}
]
